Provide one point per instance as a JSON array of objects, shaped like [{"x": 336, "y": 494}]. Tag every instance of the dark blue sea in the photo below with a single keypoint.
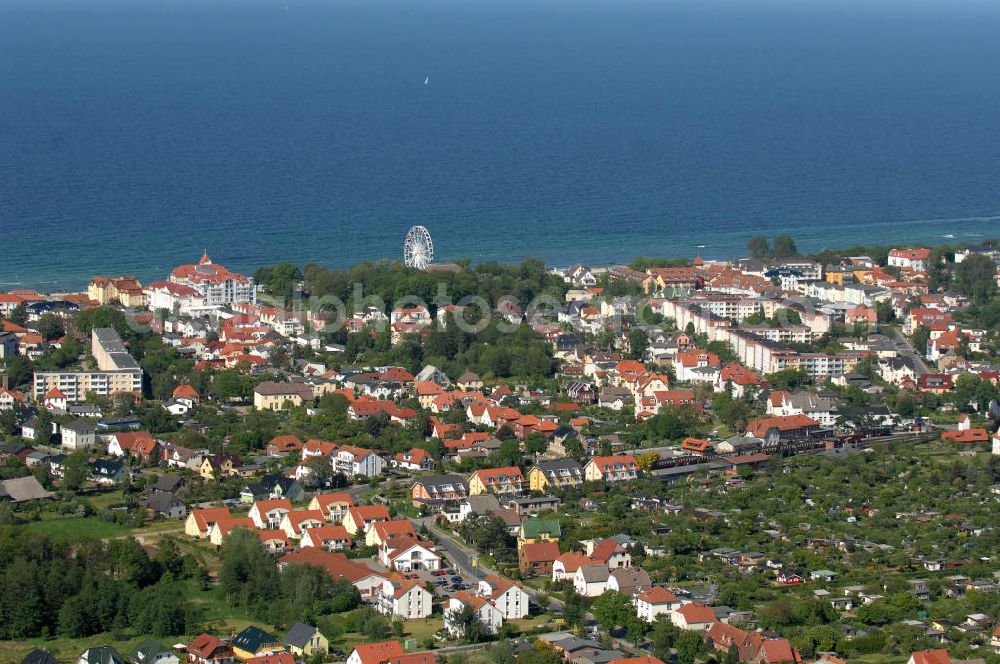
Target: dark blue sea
[{"x": 134, "y": 134}]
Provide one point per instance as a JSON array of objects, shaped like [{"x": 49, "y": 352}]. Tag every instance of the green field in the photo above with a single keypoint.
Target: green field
[{"x": 76, "y": 527}]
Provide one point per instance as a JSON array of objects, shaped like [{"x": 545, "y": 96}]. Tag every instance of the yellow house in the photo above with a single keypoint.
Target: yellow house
[
  {"x": 220, "y": 530},
  {"x": 255, "y": 642},
  {"x": 502, "y": 482},
  {"x": 360, "y": 517},
  {"x": 275, "y": 396},
  {"x": 199, "y": 523},
  {"x": 126, "y": 291},
  {"x": 305, "y": 641},
  {"x": 555, "y": 474},
  {"x": 382, "y": 531},
  {"x": 536, "y": 530},
  {"x": 216, "y": 466}
]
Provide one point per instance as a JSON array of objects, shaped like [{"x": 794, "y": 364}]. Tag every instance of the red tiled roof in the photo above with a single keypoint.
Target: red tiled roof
[
  {"x": 205, "y": 645},
  {"x": 760, "y": 427},
  {"x": 697, "y": 613},
  {"x": 658, "y": 595},
  {"x": 540, "y": 552}
]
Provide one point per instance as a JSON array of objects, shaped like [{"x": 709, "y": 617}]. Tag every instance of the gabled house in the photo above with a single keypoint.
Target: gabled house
[
  {"x": 438, "y": 489},
  {"x": 219, "y": 531},
  {"x": 255, "y": 642},
  {"x": 693, "y": 616},
  {"x": 296, "y": 522},
  {"x": 101, "y": 655},
  {"x": 282, "y": 445},
  {"x": 509, "y": 597},
  {"x": 272, "y": 487},
  {"x": 502, "y": 482},
  {"x": 387, "y": 652},
  {"x": 555, "y": 474},
  {"x": 415, "y": 459},
  {"x": 655, "y": 602},
  {"x": 329, "y": 537},
  {"x": 488, "y": 615},
  {"x": 108, "y": 473},
  {"x": 139, "y": 445},
  {"x": 208, "y": 649},
  {"x": 620, "y": 468},
  {"x": 152, "y": 652},
  {"x": 538, "y": 530},
  {"x": 333, "y": 505},
  {"x": 629, "y": 581},
  {"x": 405, "y": 553},
  {"x": 268, "y": 514},
  {"x": 217, "y": 466},
  {"x": 537, "y": 559},
  {"x": 199, "y": 522},
  {"x": 360, "y": 518},
  {"x": 381, "y": 531},
  {"x": 274, "y": 541},
  {"x": 306, "y": 641},
  {"x": 403, "y": 598},
  {"x": 591, "y": 579},
  {"x": 164, "y": 505}
]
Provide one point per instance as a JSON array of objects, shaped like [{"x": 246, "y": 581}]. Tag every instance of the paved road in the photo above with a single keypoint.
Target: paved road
[
  {"x": 906, "y": 349},
  {"x": 460, "y": 555}
]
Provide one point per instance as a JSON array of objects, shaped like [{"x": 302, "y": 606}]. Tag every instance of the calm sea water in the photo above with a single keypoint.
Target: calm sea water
[{"x": 135, "y": 134}]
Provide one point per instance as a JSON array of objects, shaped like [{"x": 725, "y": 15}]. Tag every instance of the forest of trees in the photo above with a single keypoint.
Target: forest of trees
[{"x": 78, "y": 589}]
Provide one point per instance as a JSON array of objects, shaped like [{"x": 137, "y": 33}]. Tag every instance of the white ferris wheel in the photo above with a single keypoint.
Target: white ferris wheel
[{"x": 418, "y": 250}]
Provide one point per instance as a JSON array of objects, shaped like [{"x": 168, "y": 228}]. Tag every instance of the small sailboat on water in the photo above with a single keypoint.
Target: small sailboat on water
[{"x": 427, "y": 81}]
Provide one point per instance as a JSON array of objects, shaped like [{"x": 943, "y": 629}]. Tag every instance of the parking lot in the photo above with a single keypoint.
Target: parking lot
[{"x": 445, "y": 582}]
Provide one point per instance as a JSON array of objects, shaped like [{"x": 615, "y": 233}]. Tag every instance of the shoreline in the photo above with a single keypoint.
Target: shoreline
[{"x": 78, "y": 282}]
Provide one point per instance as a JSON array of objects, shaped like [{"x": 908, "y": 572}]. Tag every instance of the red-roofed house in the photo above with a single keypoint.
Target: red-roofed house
[
  {"x": 782, "y": 427},
  {"x": 416, "y": 459},
  {"x": 693, "y": 365},
  {"x": 694, "y": 616},
  {"x": 939, "y": 656},
  {"x": 208, "y": 649},
  {"x": 274, "y": 541},
  {"x": 219, "y": 531},
  {"x": 360, "y": 517},
  {"x": 333, "y": 505},
  {"x": 138, "y": 445},
  {"x": 657, "y": 601},
  {"x": 503, "y": 482},
  {"x": 914, "y": 259},
  {"x": 536, "y": 559},
  {"x": 269, "y": 514},
  {"x": 508, "y": 596},
  {"x": 54, "y": 399},
  {"x": 296, "y": 522},
  {"x": 186, "y": 392},
  {"x": 367, "y": 581},
  {"x": 402, "y": 598},
  {"x": 967, "y": 436},
  {"x": 382, "y": 531},
  {"x": 329, "y": 537},
  {"x": 281, "y": 445},
  {"x": 611, "y": 469},
  {"x": 696, "y": 446},
  {"x": 375, "y": 653},
  {"x": 566, "y": 565}
]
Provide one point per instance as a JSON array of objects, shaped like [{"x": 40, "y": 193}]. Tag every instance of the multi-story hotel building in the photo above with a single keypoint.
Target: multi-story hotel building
[{"x": 117, "y": 371}]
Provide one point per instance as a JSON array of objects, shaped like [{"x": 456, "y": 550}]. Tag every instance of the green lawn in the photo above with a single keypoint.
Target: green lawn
[
  {"x": 420, "y": 630},
  {"x": 107, "y": 500},
  {"x": 75, "y": 527}
]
